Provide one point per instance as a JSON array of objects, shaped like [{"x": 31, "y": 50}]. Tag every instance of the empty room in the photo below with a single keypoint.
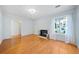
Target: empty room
[{"x": 39, "y": 29}]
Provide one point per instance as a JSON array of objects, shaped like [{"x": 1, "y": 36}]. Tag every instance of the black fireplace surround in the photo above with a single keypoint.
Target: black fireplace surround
[{"x": 43, "y": 33}]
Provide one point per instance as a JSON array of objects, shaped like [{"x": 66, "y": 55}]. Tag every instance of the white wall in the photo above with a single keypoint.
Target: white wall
[
  {"x": 26, "y": 27},
  {"x": 9, "y": 25},
  {"x": 14, "y": 25},
  {"x": 9, "y": 28},
  {"x": 42, "y": 23},
  {"x": 77, "y": 26},
  {"x": 0, "y": 24}
]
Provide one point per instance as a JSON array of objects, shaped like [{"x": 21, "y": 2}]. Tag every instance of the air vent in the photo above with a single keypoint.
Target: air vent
[{"x": 57, "y": 6}]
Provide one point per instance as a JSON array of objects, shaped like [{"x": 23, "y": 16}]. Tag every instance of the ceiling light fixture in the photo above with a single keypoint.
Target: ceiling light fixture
[{"x": 32, "y": 11}]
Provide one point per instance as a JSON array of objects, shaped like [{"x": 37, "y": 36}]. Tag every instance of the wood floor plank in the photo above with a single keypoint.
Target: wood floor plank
[{"x": 33, "y": 44}]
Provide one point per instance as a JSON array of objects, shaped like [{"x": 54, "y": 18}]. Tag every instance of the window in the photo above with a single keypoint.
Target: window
[{"x": 60, "y": 25}]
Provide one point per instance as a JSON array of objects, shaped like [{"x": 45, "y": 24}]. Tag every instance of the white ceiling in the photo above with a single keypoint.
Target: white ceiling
[{"x": 42, "y": 10}]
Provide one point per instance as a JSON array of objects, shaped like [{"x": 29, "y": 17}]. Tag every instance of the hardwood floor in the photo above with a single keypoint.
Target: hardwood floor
[{"x": 33, "y": 44}]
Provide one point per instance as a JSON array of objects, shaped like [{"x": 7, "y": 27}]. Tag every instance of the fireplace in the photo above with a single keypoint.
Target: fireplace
[{"x": 43, "y": 33}]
